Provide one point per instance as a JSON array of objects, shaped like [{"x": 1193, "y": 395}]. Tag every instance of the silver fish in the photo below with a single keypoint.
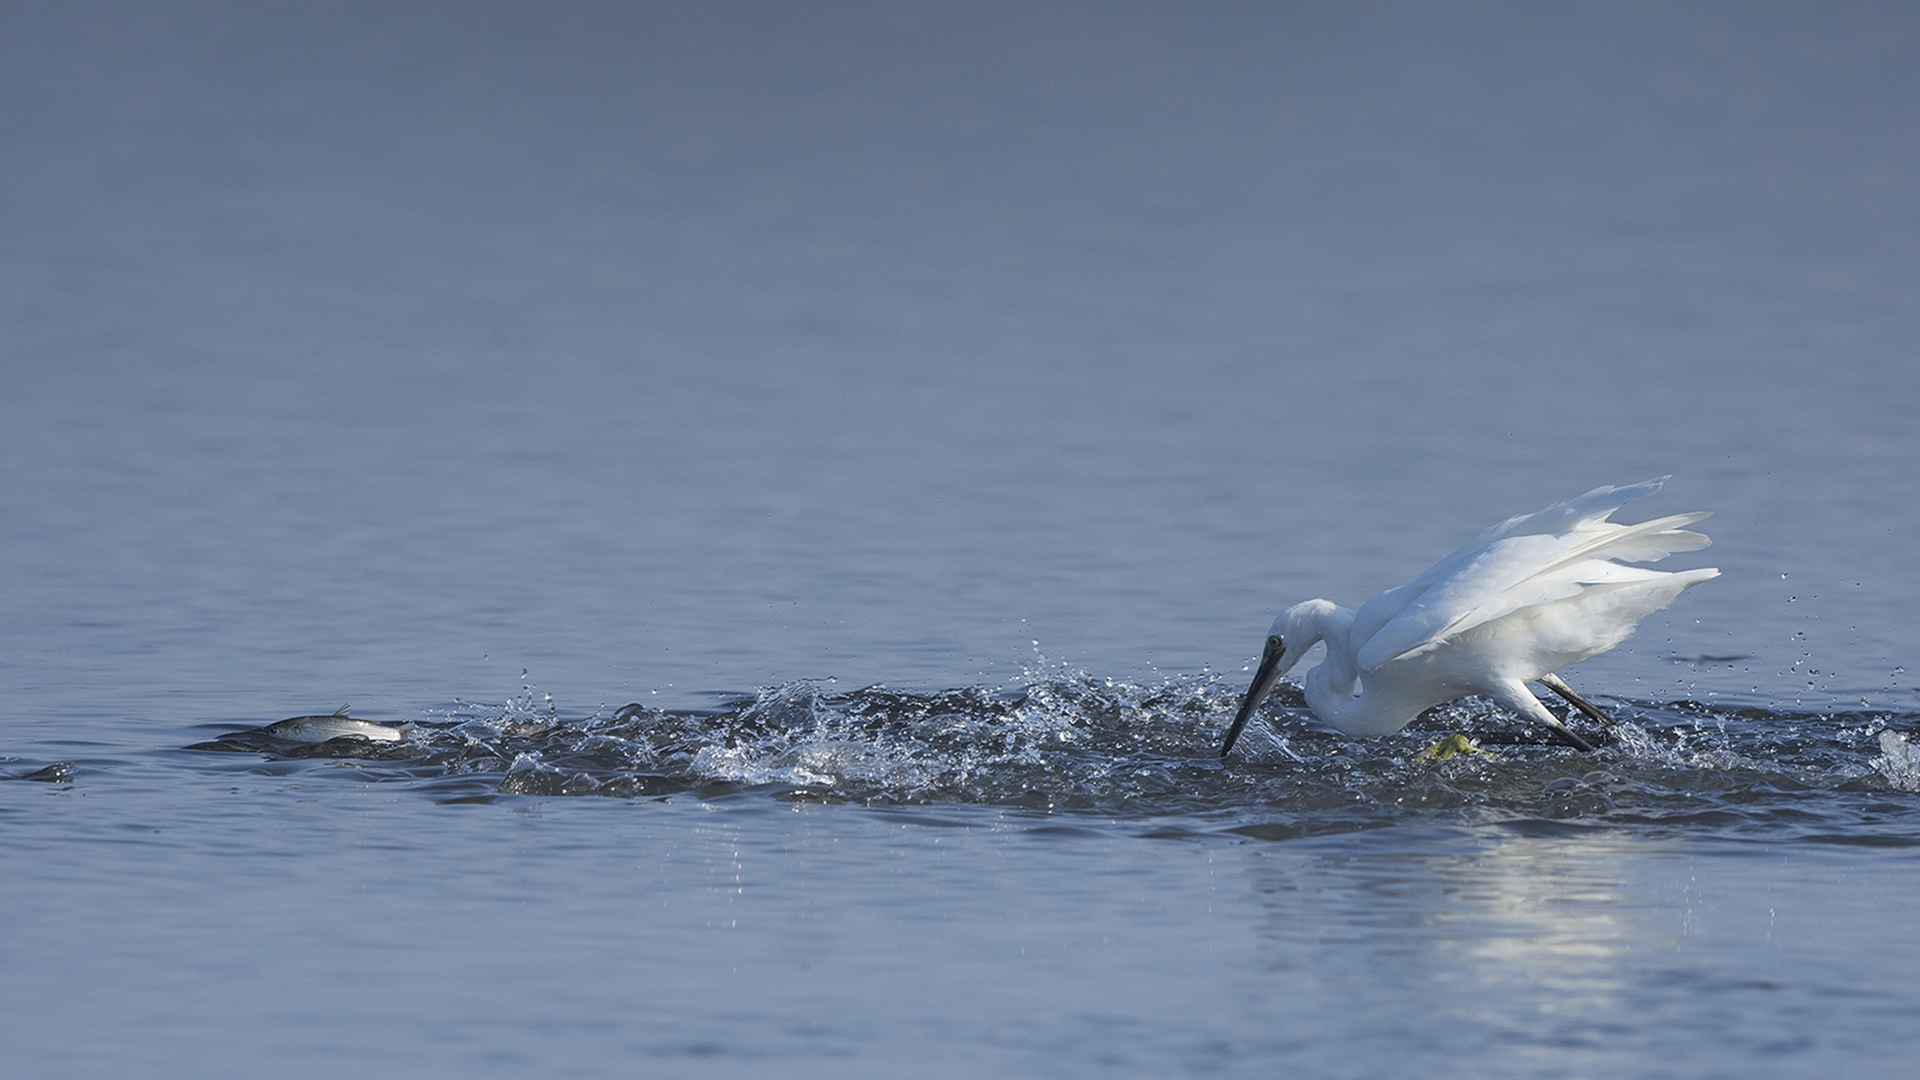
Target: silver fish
[{"x": 318, "y": 729}]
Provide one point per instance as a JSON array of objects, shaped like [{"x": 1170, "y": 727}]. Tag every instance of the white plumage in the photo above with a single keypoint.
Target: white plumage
[{"x": 1513, "y": 605}]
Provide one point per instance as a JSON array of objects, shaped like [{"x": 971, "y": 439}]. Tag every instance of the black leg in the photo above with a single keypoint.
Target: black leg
[{"x": 1557, "y": 685}]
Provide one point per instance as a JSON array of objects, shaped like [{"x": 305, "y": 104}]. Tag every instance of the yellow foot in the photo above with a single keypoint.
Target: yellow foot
[{"x": 1451, "y": 745}]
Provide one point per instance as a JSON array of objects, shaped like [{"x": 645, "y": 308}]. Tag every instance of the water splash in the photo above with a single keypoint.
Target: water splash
[
  {"x": 1078, "y": 743},
  {"x": 1899, "y": 761}
]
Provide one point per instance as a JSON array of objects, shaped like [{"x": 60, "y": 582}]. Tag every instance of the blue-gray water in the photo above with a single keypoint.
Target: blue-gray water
[{"x": 491, "y": 368}]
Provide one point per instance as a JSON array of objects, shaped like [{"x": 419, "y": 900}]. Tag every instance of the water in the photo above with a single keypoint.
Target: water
[{"x": 918, "y": 414}]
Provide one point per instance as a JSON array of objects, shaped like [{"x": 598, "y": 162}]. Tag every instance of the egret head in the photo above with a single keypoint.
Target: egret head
[{"x": 1296, "y": 630}]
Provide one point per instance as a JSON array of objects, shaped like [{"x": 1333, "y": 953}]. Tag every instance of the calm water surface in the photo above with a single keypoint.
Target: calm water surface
[{"x": 814, "y": 480}]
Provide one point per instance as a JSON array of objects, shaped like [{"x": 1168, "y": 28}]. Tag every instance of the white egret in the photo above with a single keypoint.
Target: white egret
[{"x": 1513, "y": 605}]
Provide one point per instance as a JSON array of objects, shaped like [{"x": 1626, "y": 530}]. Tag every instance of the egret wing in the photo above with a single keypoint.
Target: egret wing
[
  {"x": 1582, "y": 512},
  {"x": 1428, "y": 617},
  {"x": 1572, "y": 515},
  {"x": 1515, "y": 564},
  {"x": 1560, "y": 583}
]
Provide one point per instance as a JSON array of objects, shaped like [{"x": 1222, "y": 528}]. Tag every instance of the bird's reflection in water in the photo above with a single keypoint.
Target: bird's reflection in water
[
  {"x": 1546, "y": 918},
  {"x": 1483, "y": 941}
]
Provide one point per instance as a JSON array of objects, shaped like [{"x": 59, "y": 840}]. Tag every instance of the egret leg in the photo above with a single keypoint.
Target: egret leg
[
  {"x": 1558, "y": 685},
  {"x": 1515, "y": 695}
]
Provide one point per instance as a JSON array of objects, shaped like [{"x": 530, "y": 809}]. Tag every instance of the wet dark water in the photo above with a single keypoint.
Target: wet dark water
[{"x": 809, "y": 483}]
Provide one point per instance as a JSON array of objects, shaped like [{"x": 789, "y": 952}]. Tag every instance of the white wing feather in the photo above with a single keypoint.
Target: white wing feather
[{"x": 1524, "y": 561}]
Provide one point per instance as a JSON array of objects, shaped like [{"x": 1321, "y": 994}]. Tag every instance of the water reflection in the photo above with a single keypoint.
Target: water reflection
[
  {"x": 1543, "y": 927},
  {"x": 1475, "y": 942}
]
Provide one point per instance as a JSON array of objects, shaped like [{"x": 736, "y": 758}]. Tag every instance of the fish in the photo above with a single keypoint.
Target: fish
[{"x": 319, "y": 729}]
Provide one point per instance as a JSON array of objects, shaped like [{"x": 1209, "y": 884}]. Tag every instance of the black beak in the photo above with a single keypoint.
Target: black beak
[{"x": 1263, "y": 680}]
